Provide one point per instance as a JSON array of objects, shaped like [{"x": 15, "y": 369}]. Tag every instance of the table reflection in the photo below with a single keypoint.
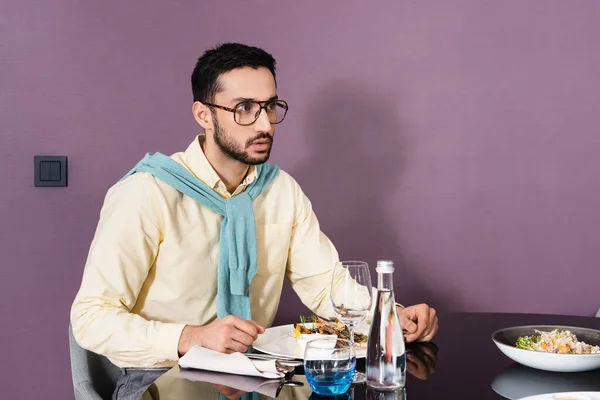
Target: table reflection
[
  {"x": 195, "y": 384},
  {"x": 517, "y": 381},
  {"x": 189, "y": 383},
  {"x": 375, "y": 395},
  {"x": 421, "y": 359}
]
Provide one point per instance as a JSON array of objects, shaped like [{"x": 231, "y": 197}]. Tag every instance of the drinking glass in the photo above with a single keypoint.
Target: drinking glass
[{"x": 329, "y": 365}]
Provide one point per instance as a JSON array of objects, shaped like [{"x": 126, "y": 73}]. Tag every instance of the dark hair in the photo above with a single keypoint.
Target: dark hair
[{"x": 224, "y": 58}]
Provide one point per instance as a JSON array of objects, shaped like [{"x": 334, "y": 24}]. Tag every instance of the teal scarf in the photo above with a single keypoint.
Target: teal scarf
[{"x": 237, "y": 249}]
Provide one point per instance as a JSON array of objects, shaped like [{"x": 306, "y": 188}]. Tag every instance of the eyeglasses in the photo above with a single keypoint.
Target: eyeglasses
[{"x": 246, "y": 112}]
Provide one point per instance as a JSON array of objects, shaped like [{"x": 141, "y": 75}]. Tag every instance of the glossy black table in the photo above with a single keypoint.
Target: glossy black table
[{"x": 463, "y": 363}]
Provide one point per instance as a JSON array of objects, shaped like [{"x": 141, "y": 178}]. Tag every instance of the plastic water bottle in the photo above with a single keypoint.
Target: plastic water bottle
[{"x": 386, "y": 355}]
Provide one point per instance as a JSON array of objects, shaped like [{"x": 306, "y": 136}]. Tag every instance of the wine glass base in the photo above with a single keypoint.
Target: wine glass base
[{"x": 359, "y": 377}]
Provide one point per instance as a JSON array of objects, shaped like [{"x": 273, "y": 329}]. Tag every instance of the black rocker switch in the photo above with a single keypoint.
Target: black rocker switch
[{"x": 50, "y": 170}]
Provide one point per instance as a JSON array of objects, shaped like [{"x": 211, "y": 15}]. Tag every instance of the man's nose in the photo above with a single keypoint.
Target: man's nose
[{"x": 263, "y": 124}]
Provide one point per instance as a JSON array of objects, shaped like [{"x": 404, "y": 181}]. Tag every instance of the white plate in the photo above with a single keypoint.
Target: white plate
[
  {"x": 565, "y": 396},
  {"x": 505, "y": 339},
  {"x": 280, "y": 341}
]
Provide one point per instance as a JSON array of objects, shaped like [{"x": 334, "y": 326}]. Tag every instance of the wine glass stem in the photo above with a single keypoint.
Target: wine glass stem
[{"x": 351, "y": 330}]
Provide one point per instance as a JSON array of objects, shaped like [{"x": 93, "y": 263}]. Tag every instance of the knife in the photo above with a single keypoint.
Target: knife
[
  {"x": 292, "y": 362},
  {"x": 267, "y": 356}
]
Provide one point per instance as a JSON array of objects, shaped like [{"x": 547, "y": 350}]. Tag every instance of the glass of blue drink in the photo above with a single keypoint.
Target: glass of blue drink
[{"x": 329, "y": 365}]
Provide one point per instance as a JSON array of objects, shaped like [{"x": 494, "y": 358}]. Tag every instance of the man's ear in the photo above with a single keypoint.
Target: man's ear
[{"x": 202, "y": 115}]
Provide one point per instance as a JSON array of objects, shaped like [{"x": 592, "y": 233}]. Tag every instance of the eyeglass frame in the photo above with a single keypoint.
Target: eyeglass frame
[{"x": 261, "y": 104}]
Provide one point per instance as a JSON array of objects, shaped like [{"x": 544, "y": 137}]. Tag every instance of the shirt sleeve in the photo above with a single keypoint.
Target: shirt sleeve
[
  {"x": 122, "y": 252},
  {"x": 311, "y": 259}
]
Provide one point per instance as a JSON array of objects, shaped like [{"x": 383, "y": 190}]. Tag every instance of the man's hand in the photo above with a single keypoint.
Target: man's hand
[
  {"x": 419, "y": 322},
  {"x": 225, "y": 335}
]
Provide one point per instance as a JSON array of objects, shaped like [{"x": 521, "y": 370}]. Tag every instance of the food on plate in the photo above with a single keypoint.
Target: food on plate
[
  {"x": 556, "y": 341},
  {"x": 318, "y": 326}
]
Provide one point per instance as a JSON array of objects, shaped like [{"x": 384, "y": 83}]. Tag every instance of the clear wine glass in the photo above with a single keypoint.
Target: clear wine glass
[{"x": 351, "y": 297}]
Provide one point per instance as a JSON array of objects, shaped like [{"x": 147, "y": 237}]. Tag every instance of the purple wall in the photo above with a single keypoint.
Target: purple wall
[{"x": 458, "y": 138}]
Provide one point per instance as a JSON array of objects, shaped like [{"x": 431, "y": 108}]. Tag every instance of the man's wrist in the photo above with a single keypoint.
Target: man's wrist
[{"x": 187, "y": 339}]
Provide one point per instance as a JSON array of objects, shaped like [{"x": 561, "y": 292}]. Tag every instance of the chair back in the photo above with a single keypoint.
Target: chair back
[{"x": 94, "y": 376}]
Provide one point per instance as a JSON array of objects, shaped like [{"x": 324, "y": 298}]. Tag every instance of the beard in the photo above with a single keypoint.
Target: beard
[{"x": 231, "y": 148}]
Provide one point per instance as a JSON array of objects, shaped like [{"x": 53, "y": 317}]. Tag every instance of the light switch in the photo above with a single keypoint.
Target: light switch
[{"x": 50, "y": 171}]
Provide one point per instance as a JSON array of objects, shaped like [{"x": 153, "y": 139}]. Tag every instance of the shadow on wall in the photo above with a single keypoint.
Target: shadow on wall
[{"x": 356, "y": 162}]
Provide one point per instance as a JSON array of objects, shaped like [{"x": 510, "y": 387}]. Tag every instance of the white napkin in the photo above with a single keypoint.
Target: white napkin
[{"x": 235, "y": 363}]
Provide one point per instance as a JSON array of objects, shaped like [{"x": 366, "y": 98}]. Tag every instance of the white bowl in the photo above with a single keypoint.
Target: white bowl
[{"x": 506, "y": 338}]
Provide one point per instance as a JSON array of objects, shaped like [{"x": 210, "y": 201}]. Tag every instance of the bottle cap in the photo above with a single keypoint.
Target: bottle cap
[{"x": 385, "y": 266}]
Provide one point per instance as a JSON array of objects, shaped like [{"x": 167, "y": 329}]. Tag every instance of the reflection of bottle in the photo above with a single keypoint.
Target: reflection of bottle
[
  {"x": 399, "y": 394},
  {"x": 386, "y": 358}
]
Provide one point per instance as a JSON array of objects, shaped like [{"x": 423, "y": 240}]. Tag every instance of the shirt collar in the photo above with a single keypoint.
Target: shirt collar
[{"x": 198, "y": 165}]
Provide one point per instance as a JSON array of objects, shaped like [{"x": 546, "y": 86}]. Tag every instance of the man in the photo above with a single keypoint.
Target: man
[{"x": 158, "y": 281}]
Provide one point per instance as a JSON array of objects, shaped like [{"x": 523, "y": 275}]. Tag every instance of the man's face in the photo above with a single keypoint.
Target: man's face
[{"x": 248, "y": 144}]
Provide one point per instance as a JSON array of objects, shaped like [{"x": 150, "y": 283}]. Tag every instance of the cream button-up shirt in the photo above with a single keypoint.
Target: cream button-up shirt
[{"x": 152, "y": 265}]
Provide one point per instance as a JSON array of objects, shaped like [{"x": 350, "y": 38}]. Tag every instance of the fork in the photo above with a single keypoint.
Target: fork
[
  {"x": 284, "y": 360},
  {"x": 288, "y": 371}
]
